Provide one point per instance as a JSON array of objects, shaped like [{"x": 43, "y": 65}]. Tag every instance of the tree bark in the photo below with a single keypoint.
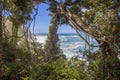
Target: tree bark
[
  {"x": 110, "y": 63},
  {"x": 52, "y": 49},
  {"x": 0, "y": 25}
]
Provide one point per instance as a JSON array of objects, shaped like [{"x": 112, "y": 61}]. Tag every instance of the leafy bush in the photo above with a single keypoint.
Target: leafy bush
[{"x": 57, "y": 70}]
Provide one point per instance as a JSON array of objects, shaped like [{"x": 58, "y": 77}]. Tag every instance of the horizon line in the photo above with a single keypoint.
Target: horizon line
[{"x": 57, "y": 33}]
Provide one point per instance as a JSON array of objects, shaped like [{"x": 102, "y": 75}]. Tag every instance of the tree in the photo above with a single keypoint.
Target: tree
[
  {"x": 97, "y": 18},
  {"x": 1, "y": 10},
  {"x": 15, "y": 57},
  {"x": 100, "y": 20},
  {"x": 0, "y": 25},
  {"x": 52, "y": 48}
]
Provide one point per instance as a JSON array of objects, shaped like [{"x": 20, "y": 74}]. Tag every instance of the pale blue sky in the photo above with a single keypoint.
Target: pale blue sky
[{"x": 43, "y": 22}]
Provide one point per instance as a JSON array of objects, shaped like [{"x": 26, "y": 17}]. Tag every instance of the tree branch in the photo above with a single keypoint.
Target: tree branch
[
  {"x": 91, "y": 45},
  {"x": 79, "y": 24}
]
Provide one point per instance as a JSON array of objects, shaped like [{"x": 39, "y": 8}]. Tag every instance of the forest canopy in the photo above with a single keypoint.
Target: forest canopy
[{"x": 22, "y": 58}]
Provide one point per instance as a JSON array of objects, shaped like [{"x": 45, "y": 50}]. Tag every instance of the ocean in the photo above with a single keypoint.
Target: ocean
[{"x": 71, "y": 44}]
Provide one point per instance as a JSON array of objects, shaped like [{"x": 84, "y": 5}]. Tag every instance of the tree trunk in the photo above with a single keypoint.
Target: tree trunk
[
  {"x": 52, "y": 49},
  {"x": 110, "y": 63},
  {"x": 0, "y": 26}
]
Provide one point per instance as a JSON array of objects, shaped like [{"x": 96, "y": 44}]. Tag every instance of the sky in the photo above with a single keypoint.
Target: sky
[{"x": 43, "y": 21}]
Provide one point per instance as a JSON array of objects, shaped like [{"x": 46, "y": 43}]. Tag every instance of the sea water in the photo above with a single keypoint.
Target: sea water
[{"x": 71, "y": 44}]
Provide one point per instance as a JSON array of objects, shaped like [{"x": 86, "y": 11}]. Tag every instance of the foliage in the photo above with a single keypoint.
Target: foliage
[
  {"x": 13, "y": 66},
  {"x": 21, "y": 59},
  {"x": 100, "y": 19},
  {"x": 51, "y": 47},
  {"x": 57, "y": 70}
]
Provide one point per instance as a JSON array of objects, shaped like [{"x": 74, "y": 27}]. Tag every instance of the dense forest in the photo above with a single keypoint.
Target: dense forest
[{"x": 22, "y": 58}]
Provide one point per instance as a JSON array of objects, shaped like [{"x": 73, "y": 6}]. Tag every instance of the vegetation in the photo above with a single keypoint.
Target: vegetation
[
  {"x": 52, "y": 49},
  {"x": 21, "y": 58}
]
